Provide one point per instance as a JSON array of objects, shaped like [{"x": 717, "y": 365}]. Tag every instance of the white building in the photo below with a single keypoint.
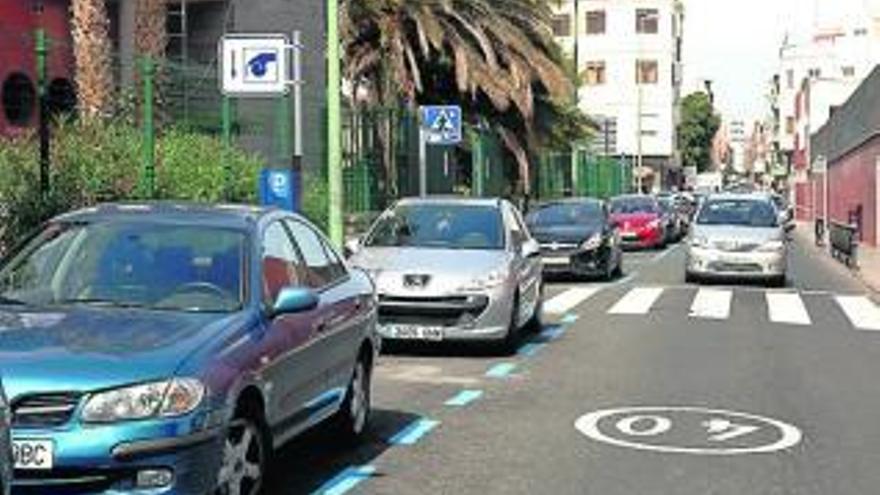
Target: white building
[
  {"x": 628, "y": 53},
  {"x": 819, "y": 71},
  {"x": 737, "y": 138}
]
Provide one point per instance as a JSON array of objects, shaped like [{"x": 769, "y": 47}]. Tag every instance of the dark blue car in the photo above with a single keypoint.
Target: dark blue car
[{"x": 169, "y": 348}]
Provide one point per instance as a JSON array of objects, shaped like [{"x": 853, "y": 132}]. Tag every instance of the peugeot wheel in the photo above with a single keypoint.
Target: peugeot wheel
[{"x": 244, "y": 459}]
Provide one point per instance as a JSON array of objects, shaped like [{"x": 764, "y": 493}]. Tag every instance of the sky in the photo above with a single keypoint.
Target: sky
[{"x": 735, "y": 44}]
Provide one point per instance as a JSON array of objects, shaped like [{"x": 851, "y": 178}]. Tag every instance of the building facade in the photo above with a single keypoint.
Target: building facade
[
  {"x": 629, "y": 56},
  {"x": 19, "y": 21}
]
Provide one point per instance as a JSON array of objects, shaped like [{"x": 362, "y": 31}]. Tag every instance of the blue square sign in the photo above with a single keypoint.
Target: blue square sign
[{"x": 442, "y": 124}]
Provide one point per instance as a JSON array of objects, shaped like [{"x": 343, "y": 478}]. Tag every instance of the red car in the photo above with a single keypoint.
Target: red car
[{"x": 639, "y": 220}]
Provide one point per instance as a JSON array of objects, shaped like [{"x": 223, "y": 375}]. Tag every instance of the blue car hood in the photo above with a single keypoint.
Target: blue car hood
[{"x": 82, "y": 349}]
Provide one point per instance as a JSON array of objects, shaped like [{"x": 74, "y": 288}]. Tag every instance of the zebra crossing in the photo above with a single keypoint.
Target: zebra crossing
[{"x": 709, "y": 303}]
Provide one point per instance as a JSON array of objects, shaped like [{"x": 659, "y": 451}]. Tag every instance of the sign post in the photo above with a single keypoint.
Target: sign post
[
  {"x": 263, "y": 66},
  {"x": 438, "y": 125}
]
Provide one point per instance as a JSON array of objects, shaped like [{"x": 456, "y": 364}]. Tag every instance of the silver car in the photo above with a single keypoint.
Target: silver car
[
  {"x": 453, "y": 269},
  {"x": 738, "y": 236}
]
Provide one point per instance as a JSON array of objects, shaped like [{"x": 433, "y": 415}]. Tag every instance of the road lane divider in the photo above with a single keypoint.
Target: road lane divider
[
  {"x": 568, "y": 300},
  {"x": 787, "y": 308},
  {"x": 712, "y": 304},
  {"x": 464, "y": 398},
  {"x": 862, "y": 313},
  {"x": 501, "y": 370},
  {"x": 553, "y": 332},
  {"x": 346, "y": 481},
  {"x": 569, "y": 319},
  {"x": 414, "y": 432},
  {"x": 637, "y": 301}
]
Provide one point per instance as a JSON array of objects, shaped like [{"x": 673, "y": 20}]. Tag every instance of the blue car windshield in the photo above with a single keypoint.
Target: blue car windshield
[
  {"x": 439, "y": 226},
  {"x": 129, "y": 264}
]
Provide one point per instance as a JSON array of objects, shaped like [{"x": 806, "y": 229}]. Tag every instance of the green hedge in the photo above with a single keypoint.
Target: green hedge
[{"x": 101, "y": 161}]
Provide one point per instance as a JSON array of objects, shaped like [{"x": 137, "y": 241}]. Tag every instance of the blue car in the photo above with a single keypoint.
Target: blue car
[
  {"x": 170, "y": 348},
  {"x": 5, "y": 446}
]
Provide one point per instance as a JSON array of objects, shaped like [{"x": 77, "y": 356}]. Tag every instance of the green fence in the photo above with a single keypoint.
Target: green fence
[{"x": 595, "y": 177}]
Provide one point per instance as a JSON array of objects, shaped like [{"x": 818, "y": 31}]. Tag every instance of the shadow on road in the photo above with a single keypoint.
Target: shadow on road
[{"x": 305, "y": 464}]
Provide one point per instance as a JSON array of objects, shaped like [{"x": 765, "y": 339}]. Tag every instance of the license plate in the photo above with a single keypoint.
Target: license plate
[
  {"x": 413, "y": 332},
  {"x": 33, "y": 454},
  {"x": 630, "y": 237},
  {"x": 557, "y": 260}
]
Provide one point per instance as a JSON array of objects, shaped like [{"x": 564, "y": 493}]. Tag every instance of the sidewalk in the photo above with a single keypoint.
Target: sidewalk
[{"x": 868, "y": 271}]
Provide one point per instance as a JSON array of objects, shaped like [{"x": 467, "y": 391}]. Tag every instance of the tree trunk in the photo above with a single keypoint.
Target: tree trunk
[
  {"x": 92, "y": 52},
  {"x": 151, "y": 40}
]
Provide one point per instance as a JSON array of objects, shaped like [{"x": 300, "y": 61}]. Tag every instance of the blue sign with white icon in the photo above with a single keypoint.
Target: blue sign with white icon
[
  {"x": 442, "y": 124},
  {"x": 279, "y": 188}
]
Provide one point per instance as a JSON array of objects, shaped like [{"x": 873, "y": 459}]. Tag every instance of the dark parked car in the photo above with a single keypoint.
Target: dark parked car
[
  {"x": 169, "y": 348},
  {"x": 673, "y": 219},
  {"x": 577, "y": 237}
]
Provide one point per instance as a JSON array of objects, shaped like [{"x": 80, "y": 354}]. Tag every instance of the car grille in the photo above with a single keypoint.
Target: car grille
[
  {"x": 433, "y": 311},
  {"x": 735, "y": 247},
  {"x": 37, "y": 411},
  {"x": 736, "y": 267}
]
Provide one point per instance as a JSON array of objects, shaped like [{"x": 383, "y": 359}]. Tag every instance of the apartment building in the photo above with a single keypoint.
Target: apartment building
[{"x": 629, "y": 55}]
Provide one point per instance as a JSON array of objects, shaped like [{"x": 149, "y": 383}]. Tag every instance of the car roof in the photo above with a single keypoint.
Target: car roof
[
  {"x": 451, "y": 200},
  {"x": 215, "y": 215},
  {"x": 633, "y": 196},
  {"x": 565, "y": 201},
  {"x": 739, "y": 197}
]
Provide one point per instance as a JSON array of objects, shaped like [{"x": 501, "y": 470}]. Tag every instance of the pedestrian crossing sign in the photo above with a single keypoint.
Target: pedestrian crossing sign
[{"x": 442, "y": 124}]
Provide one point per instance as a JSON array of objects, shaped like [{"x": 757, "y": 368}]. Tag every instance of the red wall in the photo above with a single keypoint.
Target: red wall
[
  {"x": 853, "y": 182},
  {"x": 17, "y": 25}
]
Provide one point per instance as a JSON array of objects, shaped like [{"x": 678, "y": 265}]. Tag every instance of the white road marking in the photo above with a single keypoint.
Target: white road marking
[
  {"x": 564, "y": 302},
  {"x": 638, "y": 301},
  {"x": 787, "y": 308},
  {"x": 712, "y": 304},
  {"x": 862, "y": 313}
]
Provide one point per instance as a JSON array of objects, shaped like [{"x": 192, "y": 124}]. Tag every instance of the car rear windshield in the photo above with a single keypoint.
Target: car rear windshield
[
  {"x": 587, "y": 213},
  {"x": 738, "y": 212},
  {"x": 447, "y": 226},
  {"x": 623, "y": 206},
  {"x": 130, "y": 264}
]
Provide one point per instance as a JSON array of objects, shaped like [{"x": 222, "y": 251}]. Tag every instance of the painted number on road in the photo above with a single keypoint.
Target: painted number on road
[{"x": 688, "y": 430}]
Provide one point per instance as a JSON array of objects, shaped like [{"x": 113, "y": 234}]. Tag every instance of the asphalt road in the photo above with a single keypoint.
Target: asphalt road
[{"x": 802, "y": 363}]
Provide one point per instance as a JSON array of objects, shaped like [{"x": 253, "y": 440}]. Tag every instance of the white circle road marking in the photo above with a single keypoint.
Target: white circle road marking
[{"x": 588, "y": 424}]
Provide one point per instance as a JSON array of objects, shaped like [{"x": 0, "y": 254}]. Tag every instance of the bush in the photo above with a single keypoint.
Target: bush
[{"x": 96, "y": 162}]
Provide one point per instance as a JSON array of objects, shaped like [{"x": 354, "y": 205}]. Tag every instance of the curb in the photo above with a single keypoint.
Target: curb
[{"x": 803, "y": 235}]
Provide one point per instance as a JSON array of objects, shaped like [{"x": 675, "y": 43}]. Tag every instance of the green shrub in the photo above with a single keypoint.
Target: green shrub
[{"x": 95, "y": 161}]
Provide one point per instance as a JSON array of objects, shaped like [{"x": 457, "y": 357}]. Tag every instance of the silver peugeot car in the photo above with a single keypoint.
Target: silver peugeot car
[
  {"x": 453, "y": 269},
  {"x": 738, "y": 236}
]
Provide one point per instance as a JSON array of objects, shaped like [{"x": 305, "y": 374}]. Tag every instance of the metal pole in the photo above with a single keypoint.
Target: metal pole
[
  {"x": 297, "y": 100},
  {"x": 282, "y": 130},
  {"x": 42, "y": 51},
  {"x": 577, "y": 69},
  {"x": 334, "y": 124},
  {"x": 477, "y": 159},
  {"x": 423, "y": 161},
  {"x": 149, "y": 144},
  {"x": 227, "y": 146},
  {"x": 639, "y": 162}
]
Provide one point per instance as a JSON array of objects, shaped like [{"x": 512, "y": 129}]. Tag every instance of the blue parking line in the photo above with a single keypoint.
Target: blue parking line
[
  {"x": 346, "y": 480},
  {"x": 553, "y": 332},
  {"x": 530, "y": 349},
  {"x": 569, "y": 319},
  {"x": 414, "y": 432},
  {"x": 464, "y": 398},
  {"x": 501, "y": 370}
]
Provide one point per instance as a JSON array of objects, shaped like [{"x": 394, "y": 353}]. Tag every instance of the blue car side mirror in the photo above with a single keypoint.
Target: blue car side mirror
[{"x": 295, "y": 300}]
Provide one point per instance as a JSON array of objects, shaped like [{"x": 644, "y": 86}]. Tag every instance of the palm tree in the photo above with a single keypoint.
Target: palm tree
[
  {"x": 92, "y": 52},
  {"x": 151, "y": 34},
  {"x": 496, "y": 57}
]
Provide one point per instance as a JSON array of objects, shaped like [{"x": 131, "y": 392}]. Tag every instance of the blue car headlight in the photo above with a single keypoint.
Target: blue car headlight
[{"x": 168, "y": 398}]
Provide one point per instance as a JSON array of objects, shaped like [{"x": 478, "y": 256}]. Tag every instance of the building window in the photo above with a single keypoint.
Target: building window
[
  {"x": 646, "y": 72},
  {"x": 561, "y": 25},
  {"x": 19, "y": 97},
  {"x": 815, "y": 73},
  {"x": 789, "y": 125},
  {"x": 789, "y": 78},
  {"x": 594, "y": 74},
  {"x": 647, "y": 21},
  {"x": 861, "y": 32},
  {"x": 596, "y": 22},
  {"x": 848, "y": 71}
]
